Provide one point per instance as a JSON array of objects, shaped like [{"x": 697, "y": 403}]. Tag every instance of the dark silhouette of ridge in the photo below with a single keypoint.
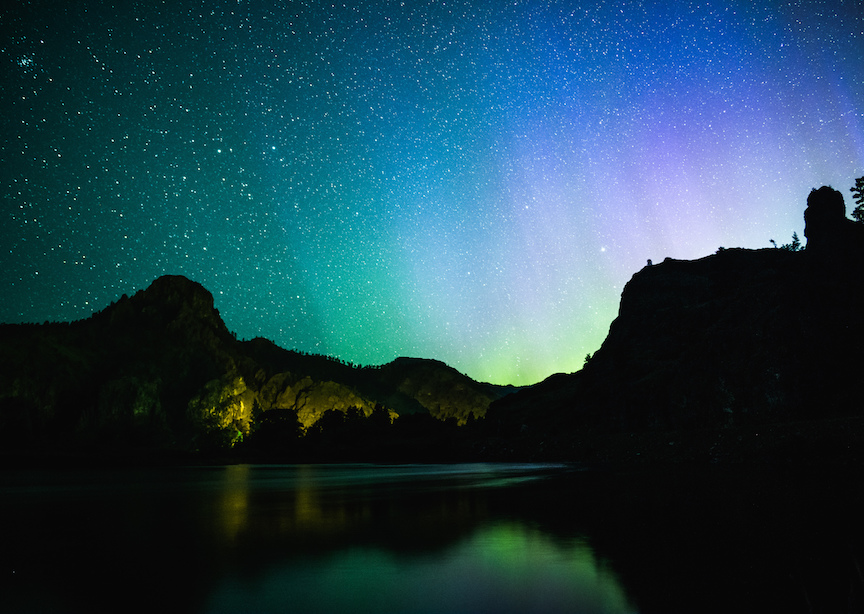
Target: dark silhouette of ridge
[
  {"x": 739, "y": 355},
  {"x": 160, "y": 371}
]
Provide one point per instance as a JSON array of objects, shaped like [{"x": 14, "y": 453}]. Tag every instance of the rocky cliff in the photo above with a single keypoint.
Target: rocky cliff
[{"x": 742, "y": 353}]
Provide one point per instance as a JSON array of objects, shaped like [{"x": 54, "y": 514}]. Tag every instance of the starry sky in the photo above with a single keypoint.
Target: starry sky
[{"x": 465, "y": 180}]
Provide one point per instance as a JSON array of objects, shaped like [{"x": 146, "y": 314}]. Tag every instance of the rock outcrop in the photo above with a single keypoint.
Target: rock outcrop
[{"x": 741, "y": 353}]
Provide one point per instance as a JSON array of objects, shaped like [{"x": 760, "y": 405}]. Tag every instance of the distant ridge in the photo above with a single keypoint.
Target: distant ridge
[{"x": 161, "y": 371}]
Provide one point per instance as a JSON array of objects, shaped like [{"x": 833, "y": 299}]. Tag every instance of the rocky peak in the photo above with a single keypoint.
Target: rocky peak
[
  {"x": 833, "y": 240},
  {"x": 175, "y": 292},
  {"x": 171, "y": 303},
  {"x": 177, "y": 289}
]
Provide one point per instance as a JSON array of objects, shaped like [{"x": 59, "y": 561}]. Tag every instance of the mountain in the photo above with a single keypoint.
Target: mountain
[
  {"x": 161, "y": 371},
  {"x": 740, "y": 356},
  {"x": 126, "y": 371},
  {"x": 744, "y": 354}
]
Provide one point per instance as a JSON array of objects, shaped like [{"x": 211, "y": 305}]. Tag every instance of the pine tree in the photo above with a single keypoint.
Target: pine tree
[{"x": 858, "y": 197}]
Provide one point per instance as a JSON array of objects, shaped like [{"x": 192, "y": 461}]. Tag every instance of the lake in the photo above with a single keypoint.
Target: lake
[
  {"x": 428, "y": 538},
  {"x": 305, "y": 538}
]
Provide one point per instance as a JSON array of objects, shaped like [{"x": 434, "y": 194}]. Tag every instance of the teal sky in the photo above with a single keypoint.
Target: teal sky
[{"x": 468, "y": 181}]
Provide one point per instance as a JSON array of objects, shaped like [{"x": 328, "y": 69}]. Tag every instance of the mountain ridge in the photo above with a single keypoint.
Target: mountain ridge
[
  {"x": 740, "y": 355},
  {"x": 160, "y": 370}
]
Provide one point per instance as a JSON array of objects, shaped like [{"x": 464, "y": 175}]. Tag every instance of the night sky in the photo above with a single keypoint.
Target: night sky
[{"x": 462, "y": 180}]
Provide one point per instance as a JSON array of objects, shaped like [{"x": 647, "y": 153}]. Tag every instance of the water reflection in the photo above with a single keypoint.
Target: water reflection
[
  {"x": 429, "y": 538},
  {"x": 339, "y": 538},
  {"x": 501, "y": 567},
  {"x": 234, "y": 503},
  {"x": 497, "y": 538},
  {"x": 317, "y": 505},
  {"x": 311, "y": 516}
]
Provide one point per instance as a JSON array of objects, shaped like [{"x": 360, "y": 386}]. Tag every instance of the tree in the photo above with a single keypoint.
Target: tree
[
  {"x": 858, "y": 197},
  {"x": 794, "y": 246}
]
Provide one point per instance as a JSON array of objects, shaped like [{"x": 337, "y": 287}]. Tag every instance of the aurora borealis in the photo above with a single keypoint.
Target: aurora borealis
[{"x": 468, "y": 181}]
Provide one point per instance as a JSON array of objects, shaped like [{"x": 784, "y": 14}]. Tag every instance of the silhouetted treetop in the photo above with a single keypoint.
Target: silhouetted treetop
[{"x": 858, "y": 197}]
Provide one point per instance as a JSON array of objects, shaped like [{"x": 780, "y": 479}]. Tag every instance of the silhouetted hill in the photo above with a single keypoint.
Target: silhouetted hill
[
  {"x": 742, "y": 354},
  {"x": 439, "y": 389},
  {"x": 160, "y": 370}
]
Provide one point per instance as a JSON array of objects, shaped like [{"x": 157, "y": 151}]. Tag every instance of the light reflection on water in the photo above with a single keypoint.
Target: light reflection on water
[
  {"x": 306, "y": 538},
  {"x": 460, "y": 538},
  {"x": 480, "y": 564},
  {"x": 325, "y": 499},
  {"x": 503, "y": 567}
]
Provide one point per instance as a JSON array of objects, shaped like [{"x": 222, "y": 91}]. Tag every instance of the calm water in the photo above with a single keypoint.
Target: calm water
[
  {"x": 431, "y": 538},
  {"x": 309, "y": 538}
]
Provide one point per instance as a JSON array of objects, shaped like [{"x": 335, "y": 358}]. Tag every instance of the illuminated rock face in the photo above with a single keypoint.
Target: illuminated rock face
[
  {"x": 324, "y": 396},
  {"x": 224, "y": 409},
  {"x": 309, "y": 399}
]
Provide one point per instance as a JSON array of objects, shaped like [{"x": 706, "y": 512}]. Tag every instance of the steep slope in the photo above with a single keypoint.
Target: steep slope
[
  {"x": 707, "y": 356},
  {"x": 124, "y": 374}
]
